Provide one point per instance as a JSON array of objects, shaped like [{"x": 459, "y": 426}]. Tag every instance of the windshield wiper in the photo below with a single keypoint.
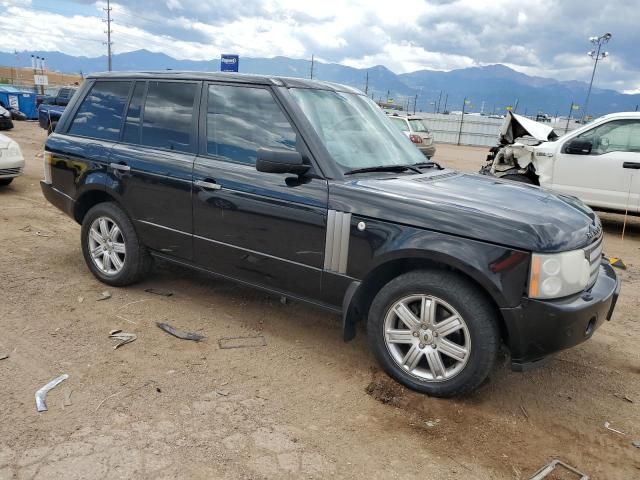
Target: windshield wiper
[
  {"x": 429, "y": 164},
  {"x": 381, "y": 168}
]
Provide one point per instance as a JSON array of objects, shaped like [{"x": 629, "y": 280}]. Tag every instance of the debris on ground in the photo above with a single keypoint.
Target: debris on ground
[
  {"x": 242, "y": 342},
  {"x": 4, "y": 356},
  {"x": 106, "y": 295},
  {"x": 123, "y": 337},
  {"x": 607, "y": 425},
  {"x": 40, "y": 234},
  {"x": 41, "y": 394},
  {"x": 524, "y": 412},
  {"x": 223, "y": 393},
  {"x": 284, "y": 300},
  {"x": 617, "y": 262},
  {"x": 66, "y": 401},
  {"x": 180, "y": 333},
  {"x": 636, "y": 443},
  {"x": 162, "y": 293},
  {"x": 552, "y": 466},
  {"x": 622, "y": 396},
  {"x": 80, "y": 299}
]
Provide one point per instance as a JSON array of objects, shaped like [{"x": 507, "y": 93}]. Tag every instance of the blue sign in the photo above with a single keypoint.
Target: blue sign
[{"x": 229, "y": 63}]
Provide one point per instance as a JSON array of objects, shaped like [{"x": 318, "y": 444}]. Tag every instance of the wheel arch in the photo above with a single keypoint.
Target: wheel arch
[
  {"x": 89, "y": 199},
  {"x": 359, "y": 295}
]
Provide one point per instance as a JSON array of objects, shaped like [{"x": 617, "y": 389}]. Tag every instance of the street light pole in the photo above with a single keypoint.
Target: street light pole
[{"x": 597, "y": 56}]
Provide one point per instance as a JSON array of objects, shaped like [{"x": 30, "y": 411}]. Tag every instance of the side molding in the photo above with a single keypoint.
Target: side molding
[{"x": 336, "y": 250}]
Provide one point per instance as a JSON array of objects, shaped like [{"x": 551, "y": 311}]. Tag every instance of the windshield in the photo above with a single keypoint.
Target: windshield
[
  {"x": 418, "y": 126},
  {"x": 354, "y": 130}
]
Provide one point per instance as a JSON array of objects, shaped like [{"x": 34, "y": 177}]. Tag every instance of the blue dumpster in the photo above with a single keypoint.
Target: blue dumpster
[{"x": 23, "y": 100}]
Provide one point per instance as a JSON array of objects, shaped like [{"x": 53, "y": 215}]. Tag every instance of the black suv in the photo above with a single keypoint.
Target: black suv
[{"x": 306, "y": 189}]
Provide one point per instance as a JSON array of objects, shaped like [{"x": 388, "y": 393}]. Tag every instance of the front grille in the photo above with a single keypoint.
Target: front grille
[
  {"x": 594, "y": 255},
  {"x": 11, "y": 171}
]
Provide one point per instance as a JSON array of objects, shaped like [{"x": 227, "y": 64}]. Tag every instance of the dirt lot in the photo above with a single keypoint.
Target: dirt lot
[{"x": 306, "y": 405}]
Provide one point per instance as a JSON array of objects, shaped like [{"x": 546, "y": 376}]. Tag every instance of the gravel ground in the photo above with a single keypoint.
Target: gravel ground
[{"x": 304, "y": 405}]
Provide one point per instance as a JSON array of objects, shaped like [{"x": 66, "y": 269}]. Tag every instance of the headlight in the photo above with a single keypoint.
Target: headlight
[{"x": 558, "y": 275}]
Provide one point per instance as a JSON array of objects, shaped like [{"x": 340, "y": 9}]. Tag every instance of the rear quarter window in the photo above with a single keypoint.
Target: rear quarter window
[{"x": 100, "y": 114}]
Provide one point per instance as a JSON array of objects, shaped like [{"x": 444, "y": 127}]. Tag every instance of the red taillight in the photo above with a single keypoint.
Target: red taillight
[{"x": 415, "y": 138}]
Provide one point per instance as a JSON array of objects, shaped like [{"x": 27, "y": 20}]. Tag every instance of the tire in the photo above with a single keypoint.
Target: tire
[
  {"x": 455, "y": 297},
  {"x": 518, "y": 177},
  {"x": 52, "y": 128},
  {"x": 5, "y": 181},
  {"x": 108, "y": 228}
]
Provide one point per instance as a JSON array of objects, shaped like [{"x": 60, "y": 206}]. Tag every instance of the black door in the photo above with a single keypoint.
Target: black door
[
  {"x": 262, "y": 228},
  {"x": 152, "y": 166}
]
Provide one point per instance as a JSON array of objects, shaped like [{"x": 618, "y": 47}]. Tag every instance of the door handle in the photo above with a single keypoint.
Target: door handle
[
  {"x": 208, "y": 185},
  {"x": 633, "y": 165},
  {"x": 120, "y": 166}
]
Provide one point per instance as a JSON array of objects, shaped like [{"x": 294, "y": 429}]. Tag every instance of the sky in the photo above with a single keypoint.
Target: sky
[{"x": 547, "y": 38}]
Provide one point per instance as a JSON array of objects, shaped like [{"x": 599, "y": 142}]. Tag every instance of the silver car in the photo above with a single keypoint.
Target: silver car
[
  {"x": 417, "y": 132},
  {"x": 11, "y": 160}
]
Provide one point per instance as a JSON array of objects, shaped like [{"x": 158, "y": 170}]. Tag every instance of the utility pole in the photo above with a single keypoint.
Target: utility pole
[
  {"x": 464, "y": 104},
  {"x": 387, "y": 96},
  {"x": 446, "y": 98},
  {"x": 571, "y": 109},
  {"x": 312, "y": 61},
  {"x": 108, "y": 32},
  {"x": 415, "y": 101},
  {"x": 597, "y": 56},
  {"x": 366, "y": 84},
  {"x": 439, "y": 98}
]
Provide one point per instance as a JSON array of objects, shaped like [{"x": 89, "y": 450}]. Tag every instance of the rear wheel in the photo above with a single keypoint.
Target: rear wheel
[
  {"x": 5, "y": 181},
  {"x": 434, "y": 332},
  {"x": 111, "y": 247}
]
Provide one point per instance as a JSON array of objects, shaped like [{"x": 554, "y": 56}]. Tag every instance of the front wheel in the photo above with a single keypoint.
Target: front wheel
[
  {"x": 434, "y": 332},
  {"x": 111, "y": 247}
]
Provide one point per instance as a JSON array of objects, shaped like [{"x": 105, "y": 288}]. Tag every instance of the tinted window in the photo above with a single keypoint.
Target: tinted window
[
  {"x": 131, "y": 133},
  {"x": 100, "y": 114},
  {"x": 167, "y": 120},
  {"x": 242, "y": 119}
]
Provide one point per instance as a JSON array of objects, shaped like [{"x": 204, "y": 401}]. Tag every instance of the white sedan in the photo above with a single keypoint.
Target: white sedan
[{"x": 11, "y": 160}]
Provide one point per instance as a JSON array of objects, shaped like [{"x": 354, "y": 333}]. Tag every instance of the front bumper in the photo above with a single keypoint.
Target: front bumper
[
  {"x": 538, "y": 328},
  {"x": 428, "y": 151},
  {"x": 58, "y": 199},
  {"x": 11, "y": 168}
]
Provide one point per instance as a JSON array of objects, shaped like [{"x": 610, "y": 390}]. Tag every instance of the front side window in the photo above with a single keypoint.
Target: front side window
[
  {"x": 614, "y": 136},
  {"x": 240, "y": 120},
  {"x": 354, "y": 130},
  {"x": 168, "y": 115},
  {"x": 100, "y": 114}
]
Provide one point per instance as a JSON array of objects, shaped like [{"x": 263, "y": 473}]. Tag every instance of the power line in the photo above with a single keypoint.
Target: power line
[{"x": 108, "y": 32}]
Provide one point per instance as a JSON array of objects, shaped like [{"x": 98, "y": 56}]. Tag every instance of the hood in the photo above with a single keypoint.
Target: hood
[
  {"x": 517, "y": 126},
  {"x": 478, "y": 207}
]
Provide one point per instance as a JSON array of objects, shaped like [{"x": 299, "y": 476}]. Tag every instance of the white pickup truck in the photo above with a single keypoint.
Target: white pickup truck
[{"x": 599, "y": 162}]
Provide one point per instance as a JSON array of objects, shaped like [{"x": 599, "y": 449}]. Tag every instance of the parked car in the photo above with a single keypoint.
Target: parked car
[
  {"x": 11, "y": 160},
  {"x": 6, "y": 122},
  {"x": 306, "y": 189},
  {"x": 48, "y": 116},
  {"x": 415, "y": 128},
  {"x": 597, "y": 163},
  {"x": 62, "y": 97}
]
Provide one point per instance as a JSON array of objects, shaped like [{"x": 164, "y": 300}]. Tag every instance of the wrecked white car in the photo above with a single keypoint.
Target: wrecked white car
[{"x": 598, "y": 163}]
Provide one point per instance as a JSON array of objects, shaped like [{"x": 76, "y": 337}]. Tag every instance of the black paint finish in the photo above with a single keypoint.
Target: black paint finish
[{"x": 268, "y": 230}]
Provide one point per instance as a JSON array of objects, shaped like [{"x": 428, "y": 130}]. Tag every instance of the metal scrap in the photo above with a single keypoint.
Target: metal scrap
[
  {"x": 162, "y": 293},
  {"x": 4, "y": 356},
  {"x": 41, "y": 394},
  {"x": 184, "y": 335},
  {"x": 607, "y": 425},
  {"x": 636, "y": 443},
  {"x": 551, "y": 467},
  {"x": 242, "y": 342},
  {"x": 106, "y": 295},
  {"x": 123, "y": 337}
]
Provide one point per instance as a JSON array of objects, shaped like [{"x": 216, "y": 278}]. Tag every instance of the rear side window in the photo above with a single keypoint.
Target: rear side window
[
  {"x": 131, "y": 132},
  {"x": 400, "y": 124},
  {"x": 167, "y": 120},
  {"x": 240, "y": 120},
  {"x": 100, "y": 114}
]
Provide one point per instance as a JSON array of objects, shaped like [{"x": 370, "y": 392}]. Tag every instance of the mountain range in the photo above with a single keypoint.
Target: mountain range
[{"x": 488, "y": 88}]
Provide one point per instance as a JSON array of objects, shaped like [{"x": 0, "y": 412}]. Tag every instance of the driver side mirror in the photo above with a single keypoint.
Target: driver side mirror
[
  {"x": 579, "y": 146},
  {"x": 274, "y": 160}
]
